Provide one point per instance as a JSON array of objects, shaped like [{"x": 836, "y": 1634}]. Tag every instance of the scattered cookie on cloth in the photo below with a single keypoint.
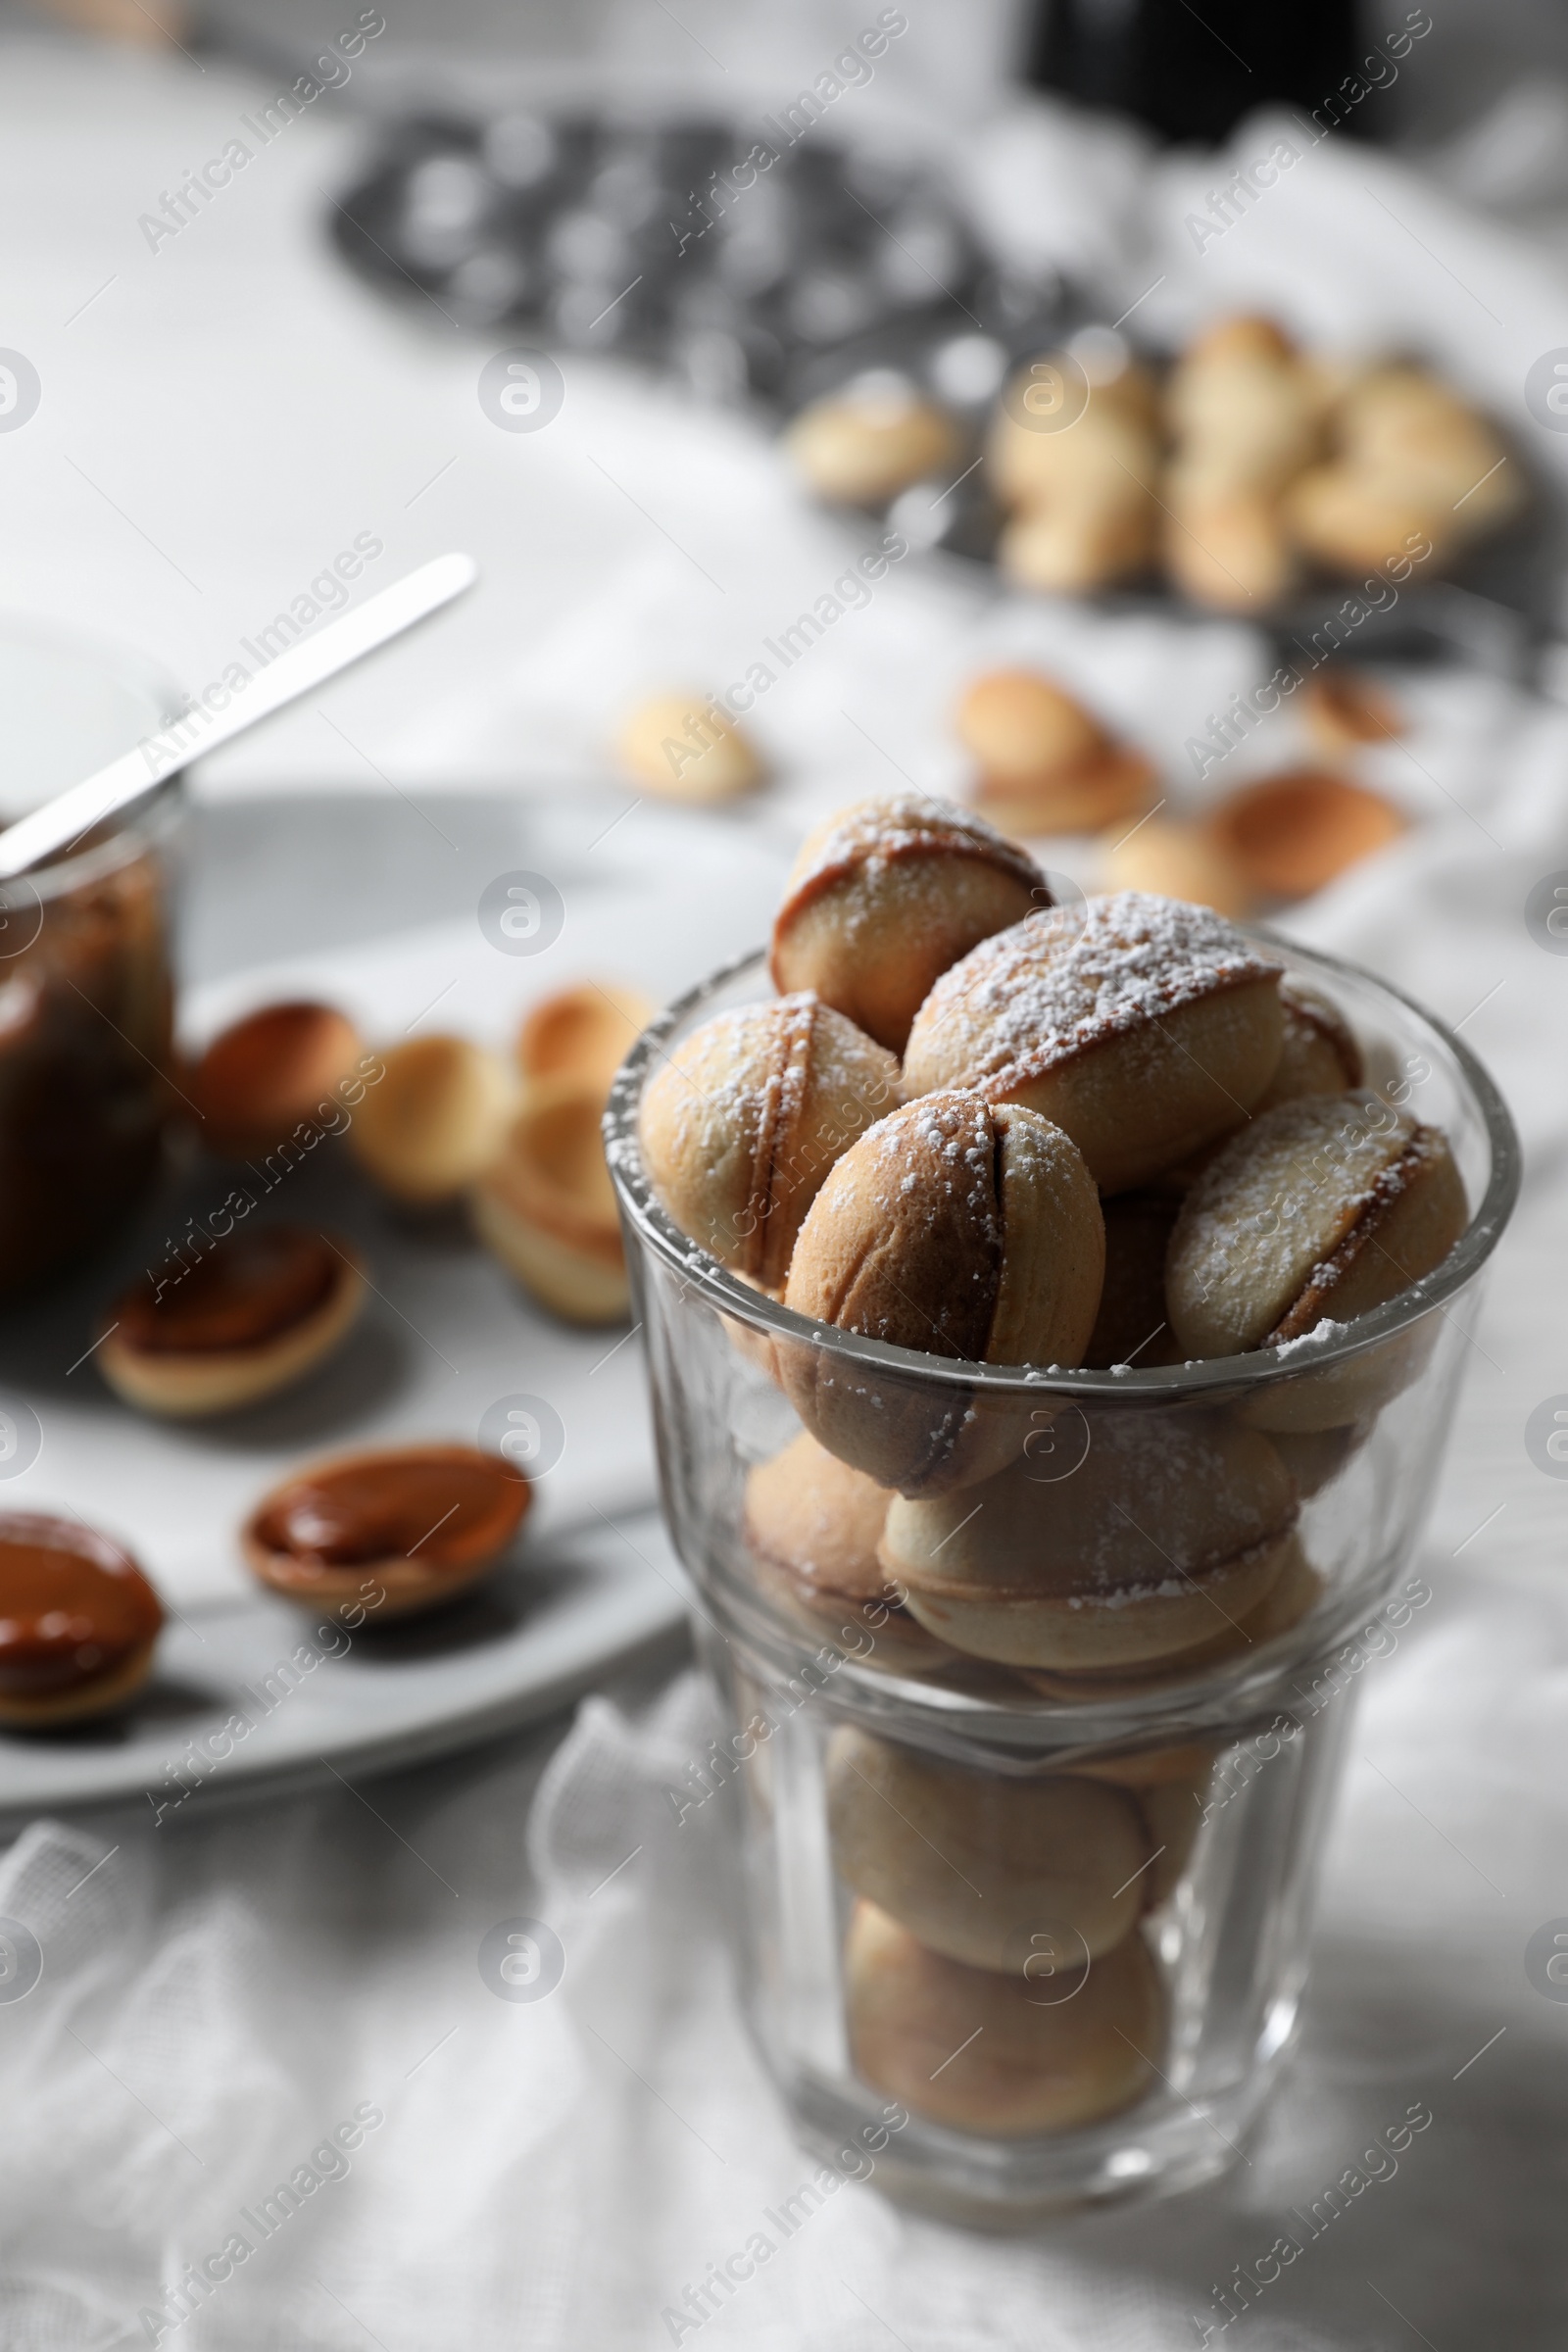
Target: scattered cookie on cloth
[
  {"x": 682, "y": 748},
  {"x": 1290, "y": 834},
  {"x": 1046, "y": 763}
]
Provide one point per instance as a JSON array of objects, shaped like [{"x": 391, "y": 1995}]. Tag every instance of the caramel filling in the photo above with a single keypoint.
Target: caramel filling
[
  {"x": 74, "y": 1607},
  {"x": 249, "y": 1290},
  {"x": 443, "y": 1510}
]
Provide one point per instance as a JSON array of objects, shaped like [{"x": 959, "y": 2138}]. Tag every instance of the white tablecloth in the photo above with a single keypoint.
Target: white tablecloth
[{"x": 219, "y": 418}]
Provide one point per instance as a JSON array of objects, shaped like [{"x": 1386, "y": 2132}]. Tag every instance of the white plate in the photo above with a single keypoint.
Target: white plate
[
  {"x": 373, "y": 904},
  {"x": 249, "y": 1693}
]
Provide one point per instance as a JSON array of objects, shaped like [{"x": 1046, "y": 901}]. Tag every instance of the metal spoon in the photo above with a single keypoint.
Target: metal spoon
[{"x": 65, "y": 820}]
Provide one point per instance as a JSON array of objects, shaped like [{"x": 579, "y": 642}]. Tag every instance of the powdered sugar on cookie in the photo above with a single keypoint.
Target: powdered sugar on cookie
[
  {"x": 904, "y": 825},
  {"x": 1029, "y": 999}
]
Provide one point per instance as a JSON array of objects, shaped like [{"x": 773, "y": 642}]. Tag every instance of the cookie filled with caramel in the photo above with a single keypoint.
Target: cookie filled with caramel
[
  {"x": 78, "y": 1622},
  {"x": 963, "y": 1229},
  {"x": 742, "y": 1124},
  {"x": 888, "y": 894},
  {"x": 984, "y": 2051},
  {"x": 812, "y": 1525},
  {"x": 1139, "y": 1026},
  {"x": 263, "y": 1308},
  {"x": 397, "y": 1530}
]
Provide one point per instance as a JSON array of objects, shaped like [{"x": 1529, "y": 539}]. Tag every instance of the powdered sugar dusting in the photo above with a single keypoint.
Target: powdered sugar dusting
[
  {"x": 940, "y": 1147},
  {"x": 1290, "y": 1182},
  {"x": 745, "y": 1069},
  {"x": 877, "y": 833},
  {"x": 1028, "y": 1000},
  {"x": 1258, "y": 1232},
  {"x": 1321, "y": 1335},
  {"x": 904, "y": 1242},
  {"x": 1157, "y": 1500}
]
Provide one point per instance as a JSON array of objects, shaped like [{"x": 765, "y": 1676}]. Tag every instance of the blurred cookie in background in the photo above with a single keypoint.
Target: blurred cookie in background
[{"x": 1045, "y": 763}]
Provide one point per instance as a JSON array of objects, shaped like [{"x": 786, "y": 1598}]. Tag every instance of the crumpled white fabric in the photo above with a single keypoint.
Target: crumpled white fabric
[
  {"x": 562, "y": 2171},
  {"x": 219, "y": 1999}
]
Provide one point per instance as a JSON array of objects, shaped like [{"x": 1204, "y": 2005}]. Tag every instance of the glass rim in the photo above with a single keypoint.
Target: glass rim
[
  {"x": 1214, "y": 1377},
  {"x": 131, "y": 832}
]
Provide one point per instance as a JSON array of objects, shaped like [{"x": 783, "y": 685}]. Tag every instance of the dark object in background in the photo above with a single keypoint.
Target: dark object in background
[
  {"x": 1189, "y": 75},
  {"x": 676, "y": 244},
  {"x": 86, "y": 1030}
]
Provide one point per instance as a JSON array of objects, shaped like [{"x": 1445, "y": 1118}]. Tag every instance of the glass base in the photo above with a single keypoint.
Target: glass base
[{"x": 1164, "y": 2145}]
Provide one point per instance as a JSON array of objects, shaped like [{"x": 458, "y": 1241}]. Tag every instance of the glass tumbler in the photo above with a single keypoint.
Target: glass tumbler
[{"x": 1024, "y": 1878}]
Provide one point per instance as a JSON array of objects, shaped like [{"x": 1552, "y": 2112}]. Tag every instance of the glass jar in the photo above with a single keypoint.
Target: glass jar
[
  {"x": 1025, "y": 1882},
  {"x": 86, "y": 991}
]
